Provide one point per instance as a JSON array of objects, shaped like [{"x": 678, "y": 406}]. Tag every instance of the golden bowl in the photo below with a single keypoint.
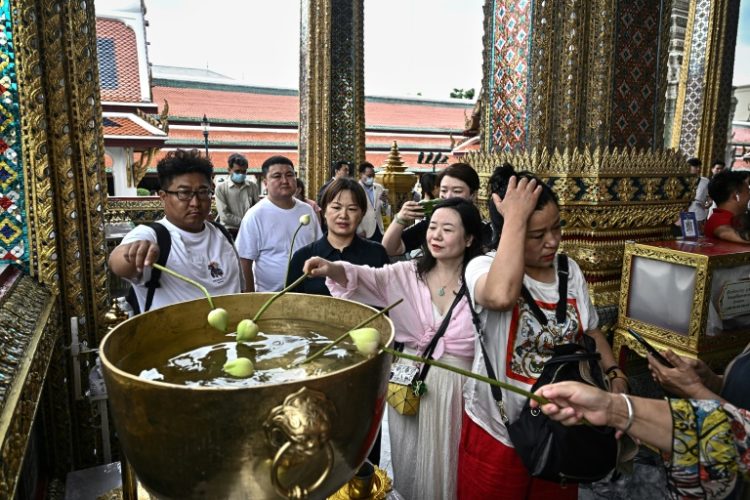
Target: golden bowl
[{"x": 294, "y": 439}]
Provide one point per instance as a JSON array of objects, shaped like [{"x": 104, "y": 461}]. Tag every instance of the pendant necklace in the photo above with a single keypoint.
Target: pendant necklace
[{"x": 441, "y": 290}]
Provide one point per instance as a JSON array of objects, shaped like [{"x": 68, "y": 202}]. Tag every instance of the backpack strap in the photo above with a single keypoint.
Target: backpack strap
[
  {"x": 164, "y": 240},
  {"x": 223, "y": 230}
]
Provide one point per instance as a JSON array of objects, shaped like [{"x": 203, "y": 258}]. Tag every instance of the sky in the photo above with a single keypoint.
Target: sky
[{"x": 412, "y": 47}]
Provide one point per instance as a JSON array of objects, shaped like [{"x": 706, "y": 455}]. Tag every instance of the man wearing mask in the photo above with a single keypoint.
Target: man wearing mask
[
  {"x": 371, "y": 226},
  {"x": 235, "y": 196}
]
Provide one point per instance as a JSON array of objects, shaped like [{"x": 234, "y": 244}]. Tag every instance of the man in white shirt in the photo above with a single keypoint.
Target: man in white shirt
[
  {"x": 698, "y": 205},
  {"x": 265, "y": 237},
  {"x": 235, "y": 196},
  {"x": 198, "y": 250}
]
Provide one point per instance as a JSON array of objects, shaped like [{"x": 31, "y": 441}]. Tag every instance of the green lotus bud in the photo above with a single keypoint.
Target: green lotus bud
[
  {"x": 247, "y": 329},
  {"x": 218, "y": 318},
  {"x": 367, "y": 340},
  {"x": 304, "y": 219},
  {"x": 240, "y": 367}
]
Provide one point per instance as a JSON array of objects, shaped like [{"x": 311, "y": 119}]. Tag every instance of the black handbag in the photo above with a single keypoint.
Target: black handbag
[{"x": 548, "y": 449}]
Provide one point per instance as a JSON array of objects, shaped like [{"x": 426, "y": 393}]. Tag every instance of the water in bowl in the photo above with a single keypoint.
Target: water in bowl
[{"x": 271, "y": 353}]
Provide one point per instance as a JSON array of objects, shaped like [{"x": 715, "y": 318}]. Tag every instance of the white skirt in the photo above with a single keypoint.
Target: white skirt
[{"x": 424, "y": 447}]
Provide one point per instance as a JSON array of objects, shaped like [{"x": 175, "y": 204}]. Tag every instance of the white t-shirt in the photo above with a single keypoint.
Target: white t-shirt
[
  {"x": 265, "y": 237},
  {"x": 512, "y": 340},
  {"x": 207, "y": 257}
]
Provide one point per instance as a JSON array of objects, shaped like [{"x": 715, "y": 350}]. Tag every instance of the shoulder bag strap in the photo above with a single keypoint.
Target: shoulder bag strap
[
  {"x": 440, "y": 332},
  {"x": 164, "y": 240},
  {"x": 497, "y": 393},
  {"x": 562, "y": 294}
]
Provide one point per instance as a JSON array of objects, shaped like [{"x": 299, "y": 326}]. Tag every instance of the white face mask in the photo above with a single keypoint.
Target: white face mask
[
  {"x": 238, "y": 177},
  {"x": 368, "y": 181}
]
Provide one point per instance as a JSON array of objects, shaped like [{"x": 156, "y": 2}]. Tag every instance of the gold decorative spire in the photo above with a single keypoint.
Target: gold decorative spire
[{"x": 394, "y": 162}]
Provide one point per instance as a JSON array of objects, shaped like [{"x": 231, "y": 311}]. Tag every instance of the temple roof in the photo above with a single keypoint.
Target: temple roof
[{"x": 118, "y": 61}]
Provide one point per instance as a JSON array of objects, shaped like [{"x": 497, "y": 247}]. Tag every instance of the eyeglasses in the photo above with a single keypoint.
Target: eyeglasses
[{"x": 186, "y": 195}]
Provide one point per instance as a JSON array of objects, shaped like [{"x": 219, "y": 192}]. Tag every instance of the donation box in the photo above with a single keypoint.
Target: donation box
[{"x": 690, "y": 296}]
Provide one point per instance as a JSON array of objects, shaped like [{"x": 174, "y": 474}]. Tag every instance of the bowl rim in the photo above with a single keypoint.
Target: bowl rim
[{"x": 109, "y": 365}]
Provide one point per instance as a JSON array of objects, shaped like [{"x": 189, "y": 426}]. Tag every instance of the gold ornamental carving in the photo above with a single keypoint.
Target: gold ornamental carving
[
  {"x": 396, "y": 179},
  {"x": 61, "y": 125},
  {"x": 30, "y": 326}
]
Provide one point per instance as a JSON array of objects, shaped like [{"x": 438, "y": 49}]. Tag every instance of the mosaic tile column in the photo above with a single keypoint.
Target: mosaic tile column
[
  {"x": 575, "y": 91},
  {"x": 14, "y": 243},
  {"x": 332, "y": 116},
  {"x": 574, "y": 73},
  {"x": 705, "y": 87}
]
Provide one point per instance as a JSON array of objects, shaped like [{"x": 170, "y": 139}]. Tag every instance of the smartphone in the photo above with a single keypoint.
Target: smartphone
[
  {"x": 651, "y": 349},
  {"x": 429, "y": 205}
]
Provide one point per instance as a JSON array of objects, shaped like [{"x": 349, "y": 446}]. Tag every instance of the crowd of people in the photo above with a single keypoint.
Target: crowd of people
[{"x": 453, "y": 272}]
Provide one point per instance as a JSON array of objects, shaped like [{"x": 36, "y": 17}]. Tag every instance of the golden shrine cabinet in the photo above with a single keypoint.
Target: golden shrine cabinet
[{"x": 689, "y": 296}]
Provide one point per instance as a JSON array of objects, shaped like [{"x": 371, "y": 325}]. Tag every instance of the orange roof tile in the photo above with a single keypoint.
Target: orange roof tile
[{"x": 118, "y": 61}]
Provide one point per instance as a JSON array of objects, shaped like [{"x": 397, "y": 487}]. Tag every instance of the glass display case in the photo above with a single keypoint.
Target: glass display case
[{"x": 692, "y": 296}]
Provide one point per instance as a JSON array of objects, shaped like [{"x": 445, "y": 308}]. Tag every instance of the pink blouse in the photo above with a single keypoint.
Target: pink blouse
[{"x": 413, "y": 319}]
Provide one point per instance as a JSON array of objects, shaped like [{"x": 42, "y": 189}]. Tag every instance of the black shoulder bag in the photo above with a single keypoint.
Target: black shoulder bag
[{"x": 548, "y": 449}]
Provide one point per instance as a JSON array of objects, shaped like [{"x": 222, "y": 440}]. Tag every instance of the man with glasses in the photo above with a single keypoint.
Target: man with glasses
[
  {"x": 198, "y": 250},
  {"x": 265, "y": 237}
]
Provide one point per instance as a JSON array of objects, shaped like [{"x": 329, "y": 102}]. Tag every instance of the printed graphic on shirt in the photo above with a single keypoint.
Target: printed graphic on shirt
[
  {"x": 530, "y": 344},
  {"x": 216, "y": 272}
]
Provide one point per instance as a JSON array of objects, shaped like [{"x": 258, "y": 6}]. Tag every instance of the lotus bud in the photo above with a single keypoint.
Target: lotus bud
[
  {"x": 304, "y": 219},
  {"x": 367, "y": 340},
  {"x": 218, "y": 318},
  {"x": 240, "y": 367},
  {"x": 247, "y": 329}
]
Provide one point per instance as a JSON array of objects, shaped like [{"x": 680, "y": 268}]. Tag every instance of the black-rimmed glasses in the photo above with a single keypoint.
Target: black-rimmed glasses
[{"x": 187, "y": 195}]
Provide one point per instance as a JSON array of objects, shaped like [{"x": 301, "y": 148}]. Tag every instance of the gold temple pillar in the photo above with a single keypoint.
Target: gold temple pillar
[
  {"x": 705, "y": 87},
  {"x": 575, "y": 92},
  {"x": 332, "y": 103},
  {"x": 64, "y": 188}
]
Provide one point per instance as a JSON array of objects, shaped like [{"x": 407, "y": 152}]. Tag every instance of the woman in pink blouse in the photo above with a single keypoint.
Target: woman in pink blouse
[{"x": 424, "y": 447}]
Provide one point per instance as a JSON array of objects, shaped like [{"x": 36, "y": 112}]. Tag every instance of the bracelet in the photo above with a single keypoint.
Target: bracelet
[
  {"x": 631, "y": 413},
  {"x": 399, "y": 220}
]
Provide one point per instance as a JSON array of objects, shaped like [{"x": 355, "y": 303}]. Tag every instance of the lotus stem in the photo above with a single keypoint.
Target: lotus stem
[
  {"x": 342, "y": 337},
  {"x": 187, "y": 280},
  {"x": 291, "y": 250},
  {"x": 539, "y": 399},
  {"x": 276, "y": 296}
]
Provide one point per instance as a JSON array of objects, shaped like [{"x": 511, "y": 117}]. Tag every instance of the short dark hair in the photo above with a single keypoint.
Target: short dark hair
[
  {"x": 428, "y": 182},
  {"x": 337, "y": 165},
  {"x": 694, "y": 162},
  {"x": 236, "y": 159},
  {"x": 473, "y": 226},
  {"x": 364, "y": 166},
  {"x": 723, "y": 184},
  {"x": 719, "y": 162},
  {"x": 499, "y": 185},
  {"x": 334, "y": 188},
  {"x": 275, "y": 160},
  {"x": 463, "y": 172},
  {"x": 180, "y": 162}
]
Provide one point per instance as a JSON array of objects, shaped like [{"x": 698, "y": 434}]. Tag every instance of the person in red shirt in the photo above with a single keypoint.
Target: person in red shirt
[{"x": 731, "y": 193}]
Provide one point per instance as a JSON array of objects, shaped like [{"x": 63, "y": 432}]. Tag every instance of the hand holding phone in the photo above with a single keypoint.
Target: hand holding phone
[{"x": 650, "y": 349}]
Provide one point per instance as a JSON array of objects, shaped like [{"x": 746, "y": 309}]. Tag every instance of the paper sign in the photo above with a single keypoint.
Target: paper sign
[
  {"x": 734, "y": 299},
  {"x": 403, "y": 374}
]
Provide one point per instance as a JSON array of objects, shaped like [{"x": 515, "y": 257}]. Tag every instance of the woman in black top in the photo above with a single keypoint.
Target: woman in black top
[
  {"x": 458, "y": 180},
  {"x": 343, "y": 205}
]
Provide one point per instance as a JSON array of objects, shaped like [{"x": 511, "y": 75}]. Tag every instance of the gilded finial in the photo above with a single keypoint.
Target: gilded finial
[{"x": 394, "y": 162}]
